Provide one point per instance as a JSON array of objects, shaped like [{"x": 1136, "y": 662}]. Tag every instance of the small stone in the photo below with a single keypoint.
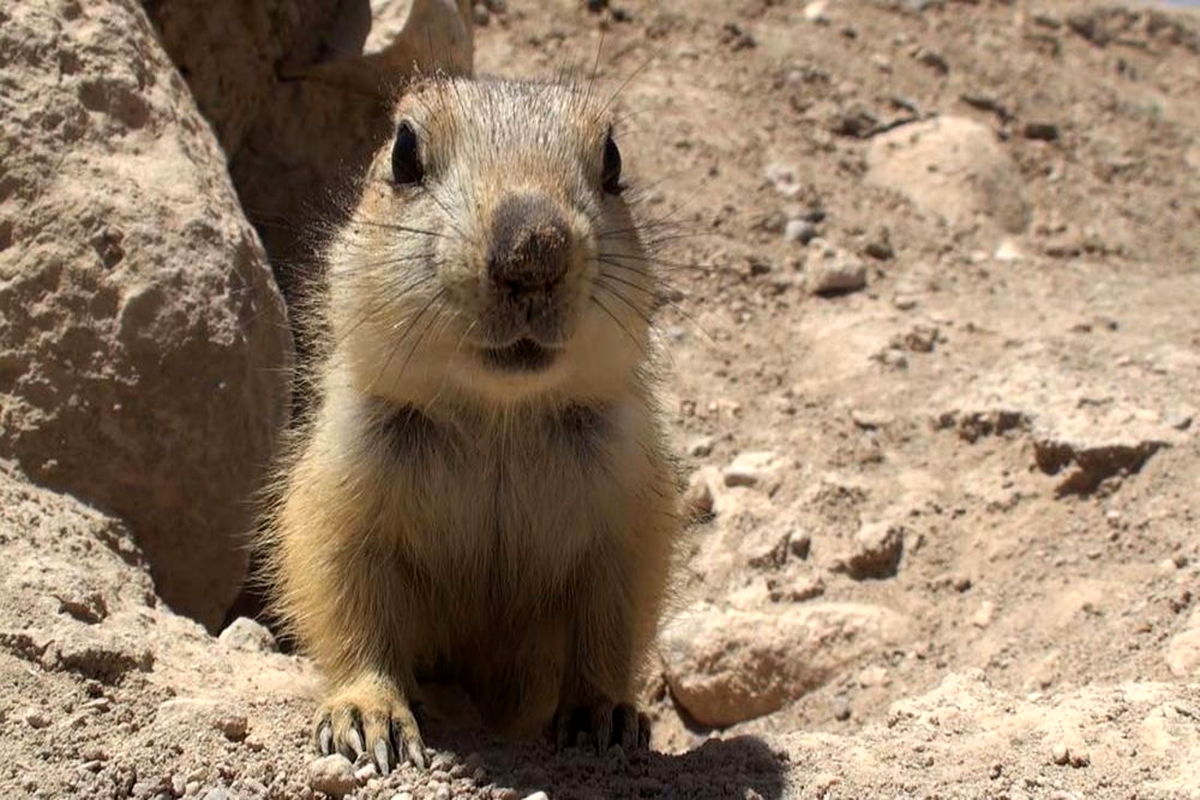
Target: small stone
[
  {"x": 698, "y": 501},
  {"x": 216, "y": 794},
  {"x": 800, "y": 544},
  {"x": 879, "y": 546},
  {"x": 249, "y": 636},
  {"x": 830, "y": 270},
  {"x": 904, "y": 302},
  {"x": 366, "y": 773},
  {"x": 1008, "y": 252},
  {"x": 234, "y": 726},
  {"x": 482, "y": 17},
  {"x": 880, "y": 249},
  {"x": 1041, "y": 131},
  {"x": 36, "y": 719},
  {"x": 984, "y": 615},
  {"x": 333, "y": 775},
  {"x": 804, "y": 588},
  {"x": 442, "y": 792},
  {"x": 1060, "y": 754},
  {"x": 871, "y": 420},
  {"x": 933, "y": 59},
  {"x": 841, "y": 708},
  {"x": 758, "y": 469},
  {"x": 537, "y": 796},
  {"x": 799, "y": 230},
  {"x": 817, "y": 12},
  {"x": 701, "y": 447}
]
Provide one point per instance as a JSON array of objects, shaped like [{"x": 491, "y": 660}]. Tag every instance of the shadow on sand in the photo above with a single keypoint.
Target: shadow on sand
[{"x": 740, "y": 767}]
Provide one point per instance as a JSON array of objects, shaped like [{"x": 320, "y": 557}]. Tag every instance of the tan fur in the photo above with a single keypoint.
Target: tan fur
[{"x": 513, "y": 532}]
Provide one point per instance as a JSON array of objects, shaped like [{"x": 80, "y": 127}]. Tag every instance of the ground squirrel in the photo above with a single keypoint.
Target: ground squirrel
[{"x": 483, "y": 492}]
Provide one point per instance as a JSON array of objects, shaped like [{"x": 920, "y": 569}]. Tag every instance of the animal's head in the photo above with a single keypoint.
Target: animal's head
[{"x": 492, "y": 253}]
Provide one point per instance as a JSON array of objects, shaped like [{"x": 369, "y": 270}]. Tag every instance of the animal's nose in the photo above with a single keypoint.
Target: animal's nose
[{"x": 531, "y": 244}]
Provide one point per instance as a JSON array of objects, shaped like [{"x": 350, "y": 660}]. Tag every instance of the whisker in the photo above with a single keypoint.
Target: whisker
[
  {"x": 658, "y": 262},
  {"x": 642, "y": 315},
  {"x": 411, "y": 325},
  {"x": 620, "y": 324},
  {"x": 392, "y": 226}
]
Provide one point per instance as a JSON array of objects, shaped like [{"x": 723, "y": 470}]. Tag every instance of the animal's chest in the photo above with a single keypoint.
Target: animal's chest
[{"x": 524, "y": 501}]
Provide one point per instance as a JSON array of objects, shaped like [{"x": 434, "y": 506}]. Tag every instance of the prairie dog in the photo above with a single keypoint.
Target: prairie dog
[{"x": 483, "y": 492}]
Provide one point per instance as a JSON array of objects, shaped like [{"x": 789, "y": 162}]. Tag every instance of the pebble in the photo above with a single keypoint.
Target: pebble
[
  {"x": 701, "y": 447},
  {"x": 759, "y": 469},
  {"x": 879, "y": 546},
  {"x": 984, "y": 615},
  {"x": 36, "y": 719},
  {"x": 333, "y": 775},
  {"x": 817, "y": 12},
  {"x": 799, "y": 230},
  {"x": 234, "y": 726},
  {"x": 247, "y": 635},
  {"x": 841, "y": 708},
  {"x": 831, "y": 270},
  {"x": 1041, "y": 131},
  {"x": 537, "y": 796},
  {"x": 442, "y": 792},
  {"x": 698, "y": 501}
]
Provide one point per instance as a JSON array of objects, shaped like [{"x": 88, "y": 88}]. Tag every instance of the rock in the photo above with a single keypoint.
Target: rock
[
  {"x": 855, "y": 120},
  {"x": 234, "y": 726},
  {"x": 792, "y": 544},
  {"x": 878, "y": 549},
  {"x": 1091, "y": 458},
  {"x": 829, "y": 270},
  {"x": 1183, "y": 650},
  {"x": 1042, "y": 131},
  {"x": 35, "y": 719},
  {"x": 784, "y": 179},
  {"x": 817, "y": 12},
  {"x": 725, "y": 667},
  {"x": 333, "y": 775},
  {"x": 759, "y": 469},
  {"x": 698, "y": 499},
  {"x": 249, "y": 636},
  {"x": 141, "y": 319},
  {"x": 795, "y": 590},
  {"x": 953, "y": 167},
  {"x": 932, "y": 59},
  {"x": 799, "y": 230},
  {"x": 982, "y": 618}
]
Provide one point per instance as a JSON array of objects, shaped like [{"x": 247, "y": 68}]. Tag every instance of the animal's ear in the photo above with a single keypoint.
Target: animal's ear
[{"x": 438, "y": 39}]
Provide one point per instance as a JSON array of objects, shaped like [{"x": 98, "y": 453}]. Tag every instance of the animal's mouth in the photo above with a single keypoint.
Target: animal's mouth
[{"x": 523, "y": 355}]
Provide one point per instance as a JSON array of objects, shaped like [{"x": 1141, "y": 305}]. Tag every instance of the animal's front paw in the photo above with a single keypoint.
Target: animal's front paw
[
  {"x": 602, "y": 724},
  {"x": 373, "y": 718}
]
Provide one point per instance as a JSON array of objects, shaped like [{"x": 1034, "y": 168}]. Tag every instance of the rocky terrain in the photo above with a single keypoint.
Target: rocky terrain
[{"x": 930, "y": 306}]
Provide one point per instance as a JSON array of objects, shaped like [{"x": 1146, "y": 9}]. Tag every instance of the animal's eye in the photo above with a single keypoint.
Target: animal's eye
[
  {"x": 610, "y": 176},
  {"x": 406, "y": 156}
]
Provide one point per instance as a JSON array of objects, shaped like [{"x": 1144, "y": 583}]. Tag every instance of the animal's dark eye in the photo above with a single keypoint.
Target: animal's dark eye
[
  {"x": 610, "y": 176},
  {"x": 406, "y": 156}
]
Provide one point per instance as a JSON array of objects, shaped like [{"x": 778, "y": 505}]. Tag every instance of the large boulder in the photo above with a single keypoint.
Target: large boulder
[{"x": 144, "y": 345}]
